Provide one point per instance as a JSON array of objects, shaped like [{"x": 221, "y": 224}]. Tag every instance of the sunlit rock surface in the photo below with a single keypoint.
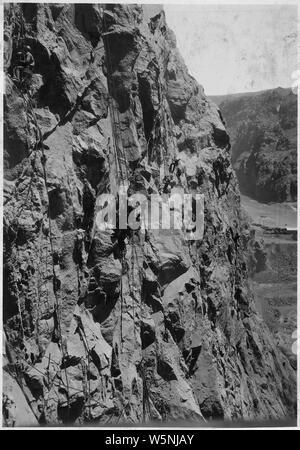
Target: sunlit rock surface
[{"x": 169, "y": 331}]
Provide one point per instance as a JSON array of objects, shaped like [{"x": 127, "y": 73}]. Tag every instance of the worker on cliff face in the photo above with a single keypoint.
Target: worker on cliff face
[
  {"x": 165, "y": 187},
  {"x": 134, "y": 89},
  {"x": 25, "y": 65},
  {"x": 9, "y": 410},
  {"x": 177, "y": 167},
  {"x": 173, "y": 165}
]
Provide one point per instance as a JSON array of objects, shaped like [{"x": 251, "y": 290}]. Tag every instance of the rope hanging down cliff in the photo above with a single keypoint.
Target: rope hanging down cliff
[
  {"x": 26, "y": 63},
  {"x": 119, "y": 153},
  {"x": 121, "y": 161},
  {"x": 55, "y": 279},
  {"x": 120, "y": 157},
  {"x": 122, "y": 167}
]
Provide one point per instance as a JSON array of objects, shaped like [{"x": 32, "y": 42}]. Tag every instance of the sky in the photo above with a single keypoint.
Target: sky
[{"x": 236, "y": 48}]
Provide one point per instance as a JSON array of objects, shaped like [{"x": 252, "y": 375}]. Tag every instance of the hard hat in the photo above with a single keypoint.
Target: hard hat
[{"x": 27, "y": 47}]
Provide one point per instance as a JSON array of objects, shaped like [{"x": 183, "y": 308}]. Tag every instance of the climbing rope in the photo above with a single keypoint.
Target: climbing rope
[
  {"x": 39, "y": 145},
  {"x": 51, "y": 382},
  {"x": 164, "y": 154},
  {"x": 122, "y": 300},
  {"x": 120, "y": 156},
  {"x": 135, "y": 258},
  {"x": 86, "y": 368},
  {"x": 131, "y": 288},
  {"x": 84, "y": 382},
  {"x": 55, "y": 279},
  {"x": 123, "y": 176}
]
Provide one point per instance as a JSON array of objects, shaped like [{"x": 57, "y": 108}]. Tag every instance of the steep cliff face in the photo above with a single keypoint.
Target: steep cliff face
[
  {"x": 102, "y": 327},
  {"x": 263, "y": 132}
]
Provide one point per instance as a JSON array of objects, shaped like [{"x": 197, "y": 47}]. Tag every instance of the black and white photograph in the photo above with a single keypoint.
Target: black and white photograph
[{"x": 149, "y": 217}]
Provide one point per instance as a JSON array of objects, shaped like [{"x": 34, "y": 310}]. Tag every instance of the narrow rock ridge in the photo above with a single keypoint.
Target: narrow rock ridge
[{"x": 168, "y": 331}]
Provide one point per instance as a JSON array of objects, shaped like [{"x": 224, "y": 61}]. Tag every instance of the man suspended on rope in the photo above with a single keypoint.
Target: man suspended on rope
[
  {"x": 177, "y": 167},
  {"x": 25, "y": 65},
  {"x": 173, "y": 165},
  {"x": 166, "y": 185},
  {"x": 9, "y": 410}
]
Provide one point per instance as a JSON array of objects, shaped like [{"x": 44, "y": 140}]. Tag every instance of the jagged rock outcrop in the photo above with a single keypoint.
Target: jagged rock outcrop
[
  {"x": 168, "y": 331},
  {"x": 263, "y": 131}
]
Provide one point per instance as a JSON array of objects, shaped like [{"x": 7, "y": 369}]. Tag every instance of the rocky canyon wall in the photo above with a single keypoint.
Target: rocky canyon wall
[
  {"x": 263, "y": 131},
  {"x": 105, "y": 327}
]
